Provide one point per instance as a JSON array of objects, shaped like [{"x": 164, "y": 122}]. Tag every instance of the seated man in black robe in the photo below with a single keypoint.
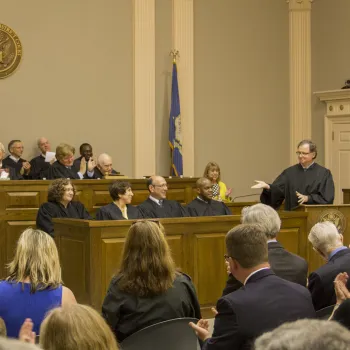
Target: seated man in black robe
[
  {"x": 156, "y": 205},
  {"x": 120, "y": 208},
  {"x": 104, "y": 167},
  {"x": 303, "y": 183},
  {"x": 64, "y": 167},
  {"x": 7, "y": 172},
  {"x": 60, "y": 205},
  {"x": 204, "y": 205},
  {"x": 40, "y": 167},
  {"x": 14, "y": 160},
  {"x": 85, "y": 151}
]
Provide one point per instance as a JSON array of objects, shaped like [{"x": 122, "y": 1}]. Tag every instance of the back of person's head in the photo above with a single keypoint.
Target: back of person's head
[
  {"x": 36, "y": 258},
  {"x": 306, "y": 334},
  {"x": 3, "y": 330},
  {"x": 325, "y": 237},
  {"x": 246, "y": 243},
  {"x": 76, "y": 327},
  {"x": 147, "y": 267},
  {"x": 264, "y": 216},
  {"x": 11, "y": 344}
]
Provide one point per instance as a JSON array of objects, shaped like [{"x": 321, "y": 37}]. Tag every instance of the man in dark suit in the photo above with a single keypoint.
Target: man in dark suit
[
  {"x": 262, "y": 304},
  {"x": 284, "y": 264},
  {"x": 328, "y": 242}
]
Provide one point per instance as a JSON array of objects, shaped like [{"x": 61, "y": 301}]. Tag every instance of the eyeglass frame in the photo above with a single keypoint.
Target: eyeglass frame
[{"x": 302, "y": 153}]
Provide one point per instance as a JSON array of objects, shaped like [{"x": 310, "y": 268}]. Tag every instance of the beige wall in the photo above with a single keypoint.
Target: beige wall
[
  {"x": 242, "y": 89},
  {"x": 163, "y": 83},
  {"x": 330, "y": 57},
  {"x": 75, "y": 81}
]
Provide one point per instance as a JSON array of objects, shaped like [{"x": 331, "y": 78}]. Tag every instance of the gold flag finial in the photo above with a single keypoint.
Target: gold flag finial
[{"x": 174, "y": 53}]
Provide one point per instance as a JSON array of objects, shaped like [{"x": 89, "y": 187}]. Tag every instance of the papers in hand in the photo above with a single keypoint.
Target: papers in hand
[
  {"x": 49, "y": 156},
  {"x": 259, "y": 184},
  {"x": 4, "y": 175}
]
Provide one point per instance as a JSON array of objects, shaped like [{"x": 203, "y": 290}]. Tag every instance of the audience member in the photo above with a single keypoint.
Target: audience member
[
  {"x": 305, "y": 334},
  {"x": 60, "y": 204},
  {"x": 64, "y": 167},
  {"x": 34, "y": 283},
  {"x": 156, "y": 205},
  {"x": 39, "y": 166},
  {"x": 14, "y": 160},
  {"x": 303, "y": 183},
  {"x": 147, "y": 289},
  {"x": 203, "y": 205},
  {"x": 265, "y": 302},
  {"x": 220, "y": 191},
  {"x": 284, "y": 264},
  {"x": 76, "y": 327},
  {"x": 6, "y": 171},
  {"x": 120, "y": 208},
  {"x": 10, "y": 344},
  {"x": 85, "y": 151},
  {"x": 328, "y": 242},
  {"x": 104, "y": 167}
]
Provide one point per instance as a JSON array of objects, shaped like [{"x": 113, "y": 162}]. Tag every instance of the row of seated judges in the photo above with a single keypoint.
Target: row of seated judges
[
  {"x": 61, "y": 205},
  {"x": 270, "y": 288}
]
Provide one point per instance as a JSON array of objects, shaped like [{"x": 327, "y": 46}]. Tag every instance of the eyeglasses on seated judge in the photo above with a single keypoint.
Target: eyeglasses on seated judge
[{"x": 303, "y": 153}]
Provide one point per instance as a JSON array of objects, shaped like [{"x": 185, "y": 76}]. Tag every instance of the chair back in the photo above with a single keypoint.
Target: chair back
[
  {"x": 325, "y": 313},
  {"x": 173, "y": 334}
]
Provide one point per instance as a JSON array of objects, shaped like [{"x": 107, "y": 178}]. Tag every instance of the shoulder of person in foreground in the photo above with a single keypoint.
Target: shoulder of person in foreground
[{"x": 67, "y": 296}]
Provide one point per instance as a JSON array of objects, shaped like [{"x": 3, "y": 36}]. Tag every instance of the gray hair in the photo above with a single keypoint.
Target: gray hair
[
  {"x": 312, "y": 146},
  {"x": 103, "y": 156},
  {"x": 264, "y": 216},
  {"x": 324, "y": 236},
  {"x": 9, "y": 344},
  {"x": 306, "y": 334},
  {"x": 2, "y": 148}
]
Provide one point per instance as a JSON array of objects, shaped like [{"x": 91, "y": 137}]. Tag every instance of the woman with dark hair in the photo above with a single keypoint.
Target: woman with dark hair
[
  {"x": 120, "y": 208},
  {"x": 60, "y": 205},
  {"x": 220, "y": 191},
  {"x": 147, "y": 289}
]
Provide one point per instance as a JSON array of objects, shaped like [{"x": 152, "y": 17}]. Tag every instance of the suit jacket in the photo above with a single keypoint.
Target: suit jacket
[
  {"x": 321, "y": 284},
  {"x": 284, "y": 264},
  {"x": 264, "y": 303}
]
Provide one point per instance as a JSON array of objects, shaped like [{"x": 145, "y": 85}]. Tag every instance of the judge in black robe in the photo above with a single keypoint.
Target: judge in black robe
[
  {"x": 104, "y": 166},
  {"x": 303, "y": 183},
  {"x": 39, "y": 168},
  {"x": 204, "y": 205},
  {"x": 85, "y": 151},
  {"x": 12, "y": 173},
  {"x": 60, "y": 205},
  {"x": 120, "y": 208},
  {"x": 156, "y": 205}
]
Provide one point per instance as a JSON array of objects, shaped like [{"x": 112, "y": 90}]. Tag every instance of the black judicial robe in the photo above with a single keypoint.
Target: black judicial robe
[
  {"x": 77, "y": 161},
  {"x": 169, "y": 209},
  {"x": 40, "y": 168},
  {"x": 50, "y": 210},
  {"x": 13, "y": 175},
  {"x": 112, "y": 212},
  {"x": 98, "y": 174},
  {"x": 10, "y": 163},
  {"x": 199, "y": 207},
  {"x": 58, "y": 171},
  {"x": 315, "y": 182}
]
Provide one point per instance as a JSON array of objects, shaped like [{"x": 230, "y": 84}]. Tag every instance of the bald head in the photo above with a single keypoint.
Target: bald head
[
  {"x": 104, "y": 163},
  {"x": 204, "y": 189},
  {"x": 44, "y": 145},
  {"x": 157, "y": 186}
]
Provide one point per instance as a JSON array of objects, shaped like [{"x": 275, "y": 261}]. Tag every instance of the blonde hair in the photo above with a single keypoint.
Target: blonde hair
[
  {"x": 63, "y": 150},
  {"x": 36, "y": 258},
  {"x": 2, "y": 148},
  {"x": 147, "y": 267},
  {"x": 209, "y": 166},
  {"x": 76, "y": 327},
  {"x": 3, "y": 331}
]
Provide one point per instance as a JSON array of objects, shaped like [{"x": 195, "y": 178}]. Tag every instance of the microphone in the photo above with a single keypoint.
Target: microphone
[{"x": 244, "y": 196}]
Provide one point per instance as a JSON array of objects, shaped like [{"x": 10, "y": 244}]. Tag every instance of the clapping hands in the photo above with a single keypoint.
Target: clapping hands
[{"x": 341, "y": 290}]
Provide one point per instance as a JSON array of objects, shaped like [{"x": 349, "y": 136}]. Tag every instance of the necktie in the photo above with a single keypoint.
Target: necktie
[{"x": 161, "y": 203}]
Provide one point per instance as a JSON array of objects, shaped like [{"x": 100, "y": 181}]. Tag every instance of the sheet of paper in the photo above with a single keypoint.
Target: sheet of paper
[
  {"x": 49, "y": 156},
  {"x": 4, "y": 175}
]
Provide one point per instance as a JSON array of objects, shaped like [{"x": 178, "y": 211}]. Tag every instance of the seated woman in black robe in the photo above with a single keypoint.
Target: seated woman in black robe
[
  {"x": 7, "y": 172},
  {"x": 147, "y": 289},
  {"x": 120, "y": 208},
  {"x": 60, "y": 205}
]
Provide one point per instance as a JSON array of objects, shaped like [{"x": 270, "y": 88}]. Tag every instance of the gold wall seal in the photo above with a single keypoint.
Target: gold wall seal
[
  {"x": 10, "y": 51},
  {"x": 334, "y": 216}
]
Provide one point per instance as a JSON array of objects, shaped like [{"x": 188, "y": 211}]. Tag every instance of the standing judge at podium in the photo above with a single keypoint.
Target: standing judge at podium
[{"x": 303, "y": 183}]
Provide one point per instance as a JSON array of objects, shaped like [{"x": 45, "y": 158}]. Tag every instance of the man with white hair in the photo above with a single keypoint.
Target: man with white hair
[
  {"x": 104, "y": 167},
  {"x": 328, "y": 242},
  {"x": 6, "y": 172},
  {"x": 284, "y": 264}
]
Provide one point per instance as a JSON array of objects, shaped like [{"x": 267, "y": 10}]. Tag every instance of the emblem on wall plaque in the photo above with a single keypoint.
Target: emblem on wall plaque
[
  {"x": 334, "y": 216},
  {"x": 10, "y": 51}
]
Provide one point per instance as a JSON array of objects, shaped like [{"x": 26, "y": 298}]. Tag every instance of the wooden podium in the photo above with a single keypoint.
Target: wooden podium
[{"x": 90, "y": 252}]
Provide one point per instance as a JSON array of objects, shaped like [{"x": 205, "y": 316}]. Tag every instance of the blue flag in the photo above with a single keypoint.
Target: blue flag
[{"x": 175, "y": 134}]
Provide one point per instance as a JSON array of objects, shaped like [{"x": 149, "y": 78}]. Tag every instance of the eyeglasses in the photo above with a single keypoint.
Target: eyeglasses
[
  {"x": 302, "y": 153},
  {"x": 162, "y": 186}
]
